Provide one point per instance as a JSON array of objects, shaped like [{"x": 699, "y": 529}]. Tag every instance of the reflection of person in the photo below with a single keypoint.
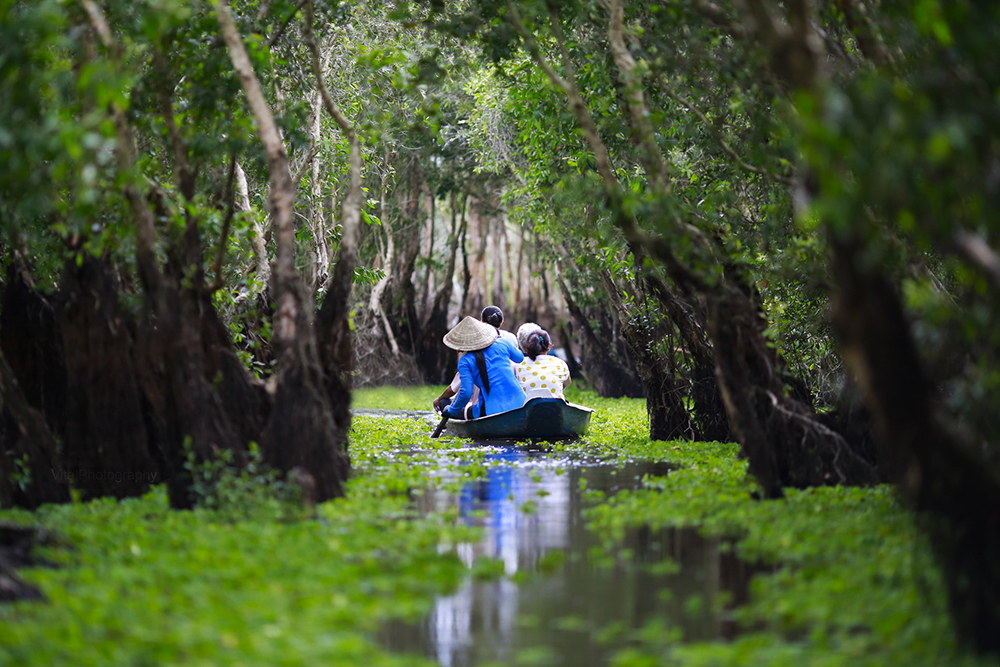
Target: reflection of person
[
  {"x": 493, "y": 316},
  {"x": 486, "y": 365},
  {"x": 540, "y": 374}
]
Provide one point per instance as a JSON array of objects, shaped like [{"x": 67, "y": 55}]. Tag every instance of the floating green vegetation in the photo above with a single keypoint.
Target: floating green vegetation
[
  {"x": 243, "y": 580},
  {"x": 148, "y": 585},
  {"x": 854, "y": 580}
]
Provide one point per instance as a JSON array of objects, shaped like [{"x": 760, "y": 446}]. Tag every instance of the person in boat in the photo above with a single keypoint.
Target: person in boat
[
  {"x": 485, "y": 364},
  {"x": 493, "y": 316},
  {"x": 540, "y": 374}
]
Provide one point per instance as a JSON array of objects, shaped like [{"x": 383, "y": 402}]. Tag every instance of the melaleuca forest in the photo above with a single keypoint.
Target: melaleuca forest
[{"x": 575, "y": 332}]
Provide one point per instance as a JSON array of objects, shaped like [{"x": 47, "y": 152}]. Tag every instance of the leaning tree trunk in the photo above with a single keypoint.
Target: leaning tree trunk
[
  {"x": 707, "y": 407},
  {"x": 668, "y": 417},
  {"x": 610, "y": 378},
  {"x": 436, "y": 362},
  {"x": 333, "y": 321},
  {"x": 302, "y": 430},
  {"x": 958, "y": 496},
  {"x": 784, "y": 440}
]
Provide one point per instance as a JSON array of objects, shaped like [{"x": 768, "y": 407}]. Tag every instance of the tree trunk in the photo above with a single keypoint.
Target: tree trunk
[
  {"x": 375, "y": 301},
  {"x": 32, "y": 343},
  {"x": 333, "y": 321},
  {"x": 428, "y": 273},
  {"x": 708, "y": 409},
  {"x": 784, "y": 440},
  {"x": 499, "y": 295},
  {"x": 668, "y": 417},
  {"x": 262, "y": 265},
  {"x": 30, "y": 471},
  {"x": 475, "y": 294},
  {"x": 302, "y": 430},
  {"x": 957, "y": 495},
  {"x": 436, "y": 362},
  {"x": 610, "y": 378},
  {"x": 106, "y": 444},
  {"x": 466, "y": 274},
  {"x": 402, "y": 307}
]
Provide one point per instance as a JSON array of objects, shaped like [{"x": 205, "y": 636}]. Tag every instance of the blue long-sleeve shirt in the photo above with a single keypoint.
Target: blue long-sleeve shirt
[{"x": 505, "y": 391}]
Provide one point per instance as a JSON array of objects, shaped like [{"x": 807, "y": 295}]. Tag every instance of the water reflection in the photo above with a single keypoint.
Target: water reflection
[{"x": 567, "y": 609}]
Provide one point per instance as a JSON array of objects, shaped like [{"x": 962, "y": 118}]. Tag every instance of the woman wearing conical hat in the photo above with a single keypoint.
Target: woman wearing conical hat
[
  {"x": 493, "y": 316},
  {"x": 486, "y": 364}
]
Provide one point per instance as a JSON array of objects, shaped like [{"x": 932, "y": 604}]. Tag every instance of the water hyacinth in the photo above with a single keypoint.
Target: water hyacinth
[{"x": 842, "y": 576}]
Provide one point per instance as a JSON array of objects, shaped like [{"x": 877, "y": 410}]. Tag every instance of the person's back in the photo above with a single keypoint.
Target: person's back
[
  {"x": 505, "y": 392},
  {"x": 493, "y": 316},
  {"x": 540, "y": 374},
  {"x": 486, "y": 365}
]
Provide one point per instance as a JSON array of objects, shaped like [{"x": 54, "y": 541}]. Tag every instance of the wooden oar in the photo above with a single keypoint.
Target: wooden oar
[{"x": 440, "y": 427}]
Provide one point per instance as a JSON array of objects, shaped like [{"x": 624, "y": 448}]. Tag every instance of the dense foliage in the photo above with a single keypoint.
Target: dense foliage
[{"x": 777, "y": 222}]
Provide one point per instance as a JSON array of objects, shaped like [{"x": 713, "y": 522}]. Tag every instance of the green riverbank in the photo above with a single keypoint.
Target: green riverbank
[{"x": 252, "y": 582}]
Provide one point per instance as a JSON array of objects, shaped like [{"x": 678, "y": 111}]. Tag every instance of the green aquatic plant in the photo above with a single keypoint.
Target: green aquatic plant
[
  {"x": 238, "y": 493},
  {"x": 853, "y": 582},
  {"x": 848, "y": 579},
  {"x": 148, "y": 585}
]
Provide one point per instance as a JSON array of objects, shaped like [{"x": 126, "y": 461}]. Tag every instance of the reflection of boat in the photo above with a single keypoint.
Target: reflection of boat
[{"x": 538, "y": 418}]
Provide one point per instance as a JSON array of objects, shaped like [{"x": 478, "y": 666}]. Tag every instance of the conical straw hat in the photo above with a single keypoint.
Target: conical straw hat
[{"x": 470, "y": 334}]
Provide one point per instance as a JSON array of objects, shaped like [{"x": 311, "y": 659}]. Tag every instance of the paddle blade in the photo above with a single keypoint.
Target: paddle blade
[{"x": 440, "y": 427}]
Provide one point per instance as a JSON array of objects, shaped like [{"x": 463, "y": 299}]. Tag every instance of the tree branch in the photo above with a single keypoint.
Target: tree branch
[
  {"x": 978, "y": 252},
  {"x": 740, "y": 162},
  {"x": 182, "y": 180},
  {"x": 718, "y": 16},
  {"x": 282, "y": 195},
  {"x": 632, "y": 84},
  {"x": 307, "y": 159},
  {"x": 338, "y": 352},
  {"x": 224, "y": 236},
  {"x": 145, "y": 248},
  {"x": 569, "y": 87},
  {"x": 284, "y": 26}
]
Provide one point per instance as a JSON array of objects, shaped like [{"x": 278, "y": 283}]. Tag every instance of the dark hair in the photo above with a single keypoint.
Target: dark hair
[
  {"x": 483, "y": 375},
  {"x": 492, "y": 315},
  {"x": 538, "y": 343}
]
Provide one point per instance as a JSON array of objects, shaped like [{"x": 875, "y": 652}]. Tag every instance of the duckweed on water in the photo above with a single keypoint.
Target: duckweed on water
[
  {"x": 148, "y": 585},
  {"x": 853, "y": 582}
]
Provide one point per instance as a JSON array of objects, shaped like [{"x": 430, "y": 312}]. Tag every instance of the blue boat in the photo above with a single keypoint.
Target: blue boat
[{"x": 537, "y": 418}]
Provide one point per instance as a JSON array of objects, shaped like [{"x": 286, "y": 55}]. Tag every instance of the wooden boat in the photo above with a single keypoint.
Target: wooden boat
[{"x": 537, "y": 418}]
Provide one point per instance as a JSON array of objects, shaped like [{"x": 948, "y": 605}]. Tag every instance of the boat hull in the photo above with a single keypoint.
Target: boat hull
[{"x": 538, "y": 418}]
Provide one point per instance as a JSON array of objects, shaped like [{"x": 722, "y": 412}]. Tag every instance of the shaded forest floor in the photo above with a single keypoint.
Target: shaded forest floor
[{"x": 250, "y": 578}]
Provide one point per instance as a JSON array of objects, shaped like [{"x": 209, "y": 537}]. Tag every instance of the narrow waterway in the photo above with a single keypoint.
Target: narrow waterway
[{"x": 562, "y": 600}]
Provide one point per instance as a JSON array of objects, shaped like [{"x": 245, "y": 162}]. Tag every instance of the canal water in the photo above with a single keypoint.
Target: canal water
[{"x": 563, "y": 600}]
